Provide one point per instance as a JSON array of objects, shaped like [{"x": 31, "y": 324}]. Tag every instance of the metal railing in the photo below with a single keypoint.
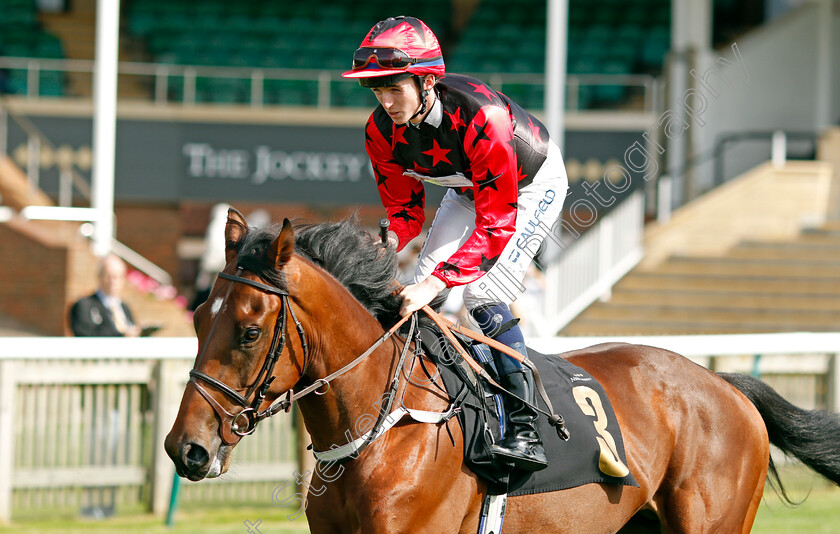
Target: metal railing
[
  {"x": 81, "y": 413},
  {"x": 69, "y": 173},
  {"x": 589, "y": 265},
  {"x": 158, "y": 78}
]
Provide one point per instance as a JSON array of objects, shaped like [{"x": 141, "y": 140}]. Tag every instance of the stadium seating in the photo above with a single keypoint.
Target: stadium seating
[
  {"x": 21, "y": 35},
  {"x": 606, "y": 37}
]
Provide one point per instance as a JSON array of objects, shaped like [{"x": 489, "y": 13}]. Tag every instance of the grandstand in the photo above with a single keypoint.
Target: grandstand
[
  {"x": 760, "y": 254},
  {"x": 22, "y": 35},
  {"x": 241, "y": 102},
  {"x": 605, "y": 38}
]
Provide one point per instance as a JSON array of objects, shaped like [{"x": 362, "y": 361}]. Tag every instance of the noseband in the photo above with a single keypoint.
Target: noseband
[{"x": 245, "y": 422}]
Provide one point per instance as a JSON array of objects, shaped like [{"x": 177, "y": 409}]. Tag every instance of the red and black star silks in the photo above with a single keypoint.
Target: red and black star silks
[{"x": 482, "y": 135}]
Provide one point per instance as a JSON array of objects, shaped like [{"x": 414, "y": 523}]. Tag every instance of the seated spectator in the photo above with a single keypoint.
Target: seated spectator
[{"x": 104, "y": 313}]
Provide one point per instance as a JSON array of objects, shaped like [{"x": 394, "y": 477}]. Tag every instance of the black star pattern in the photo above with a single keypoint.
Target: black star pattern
[
  {"x": 416, "y": 200},
  {"x": 404, "y": 215},
  {"x": 514, "y": 205},
  {"x": 384, "y": 130},
  {"x": 380, "y": 178},
  {"x": 488, "y": 181},
  {"x": 487, "y": 263},
  {"x": 512, "y": 143},
  {"x": 522, "y": 178},
  {"x": 480, "y": 133},
  {"x": 450, "y": 268}
]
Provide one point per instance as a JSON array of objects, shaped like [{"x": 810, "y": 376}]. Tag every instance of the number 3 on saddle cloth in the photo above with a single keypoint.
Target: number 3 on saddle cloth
[{"x": 594, "y": 453}]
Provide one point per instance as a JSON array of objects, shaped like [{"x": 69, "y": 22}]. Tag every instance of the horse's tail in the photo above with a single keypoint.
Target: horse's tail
[{"x": 812, "y": 436}]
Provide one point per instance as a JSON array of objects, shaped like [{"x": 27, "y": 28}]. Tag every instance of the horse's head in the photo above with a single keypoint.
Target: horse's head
[{"x": 246, "y": 357}]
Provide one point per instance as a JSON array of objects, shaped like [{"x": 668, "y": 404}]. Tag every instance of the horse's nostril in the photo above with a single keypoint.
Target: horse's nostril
[{"x": 195, "y": 456}]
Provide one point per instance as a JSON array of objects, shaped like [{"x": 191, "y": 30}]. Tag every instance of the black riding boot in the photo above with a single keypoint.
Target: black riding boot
[{"x": 522, "y": 445}]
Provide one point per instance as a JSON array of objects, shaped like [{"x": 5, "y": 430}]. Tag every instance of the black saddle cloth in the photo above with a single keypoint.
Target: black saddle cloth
[{"x": 570, "y": 463}]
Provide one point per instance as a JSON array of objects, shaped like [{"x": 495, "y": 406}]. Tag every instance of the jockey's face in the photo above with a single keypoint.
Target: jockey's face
[{"x": 402, "y": 99}]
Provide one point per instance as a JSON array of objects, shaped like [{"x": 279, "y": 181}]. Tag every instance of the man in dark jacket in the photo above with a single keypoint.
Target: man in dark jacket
[{"x": 103, "y": 313}]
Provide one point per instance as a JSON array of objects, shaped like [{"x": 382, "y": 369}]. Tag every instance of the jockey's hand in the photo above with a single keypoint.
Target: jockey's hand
[
  {"x": 393, "y": 240},
  {"x": 415, "y": 296}
]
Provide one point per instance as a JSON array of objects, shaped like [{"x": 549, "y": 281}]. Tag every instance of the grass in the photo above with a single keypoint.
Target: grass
[
  {"x": 818, "y": 514},
  {"x": 192, "y": 520}
]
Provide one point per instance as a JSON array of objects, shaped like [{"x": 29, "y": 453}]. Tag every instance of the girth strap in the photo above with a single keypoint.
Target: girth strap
[{"x": 350, "y": 451}]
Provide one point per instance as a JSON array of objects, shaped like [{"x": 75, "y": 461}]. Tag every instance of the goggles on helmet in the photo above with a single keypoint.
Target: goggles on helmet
[{"x": 386, "y": 58}]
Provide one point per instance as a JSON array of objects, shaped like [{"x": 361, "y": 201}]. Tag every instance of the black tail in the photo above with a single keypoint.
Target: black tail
[{"x": 812, "y": 436}]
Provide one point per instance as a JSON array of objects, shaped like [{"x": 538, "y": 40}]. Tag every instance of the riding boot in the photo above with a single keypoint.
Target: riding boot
[{"x": 522, "y": 445}]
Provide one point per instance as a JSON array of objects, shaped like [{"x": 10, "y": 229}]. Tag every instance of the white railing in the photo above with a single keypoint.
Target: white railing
[
  {"x": 159, "y": 76},
  {"x": 764, "y": 355},
  {"x": 591, "y": 264},
  {"x": 92, "y": 413}
]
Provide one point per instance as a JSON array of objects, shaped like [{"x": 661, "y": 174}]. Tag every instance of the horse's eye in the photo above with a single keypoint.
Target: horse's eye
[{"x": 252, "y": 334}]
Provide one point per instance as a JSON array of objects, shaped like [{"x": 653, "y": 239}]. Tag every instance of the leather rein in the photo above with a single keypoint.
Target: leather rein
[{"x": 233, "y": 427}]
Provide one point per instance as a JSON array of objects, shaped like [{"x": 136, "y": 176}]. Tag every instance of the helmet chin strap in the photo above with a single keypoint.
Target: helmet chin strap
[{"x": 424, "y": 93}]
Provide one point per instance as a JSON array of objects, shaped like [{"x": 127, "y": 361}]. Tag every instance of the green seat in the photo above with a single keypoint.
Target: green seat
[
  {"x": 222, "y": 90},
  {"x": 17, "y": 50},
  {"x": 348, "y": 93},
  {"x": 51, "y": 83},
  {"x": 612, "y": 93},
  {"x": 584, "y": 66},
  {"x": 16, "y": 82},
  {"x": 290, "y": 92},
  {"x": 141, "y": 23}
]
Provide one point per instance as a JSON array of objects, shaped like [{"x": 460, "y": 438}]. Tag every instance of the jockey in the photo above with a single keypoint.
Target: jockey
[{"x": 506, "y": 185}]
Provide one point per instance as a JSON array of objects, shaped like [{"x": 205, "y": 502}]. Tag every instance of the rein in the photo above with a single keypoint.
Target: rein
[
  {"x": 245, "y": 421},
  {"x": 235, "y": 426}
]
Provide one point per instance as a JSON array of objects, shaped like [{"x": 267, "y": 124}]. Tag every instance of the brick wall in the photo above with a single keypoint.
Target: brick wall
[
  {"x": 33, "y": 286},
  {"x": 152, "y": 231}
]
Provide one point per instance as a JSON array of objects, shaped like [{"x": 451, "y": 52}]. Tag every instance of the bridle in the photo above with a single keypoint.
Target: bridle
[
  {"x": 245, "y": 422},
  {"x": 232, "y": 427}
]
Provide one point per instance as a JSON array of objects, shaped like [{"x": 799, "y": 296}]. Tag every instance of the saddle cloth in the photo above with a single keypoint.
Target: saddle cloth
[{"x": 570, "y": 463}]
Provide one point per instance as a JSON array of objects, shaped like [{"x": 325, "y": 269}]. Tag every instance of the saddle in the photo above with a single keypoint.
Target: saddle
[{"x": 589, "y": 455}]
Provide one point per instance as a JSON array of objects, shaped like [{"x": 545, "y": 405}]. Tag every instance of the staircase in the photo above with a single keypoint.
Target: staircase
[
  {"x": 48, "y": 265},
  {"x": 736, "y": 261},
  {"x": 758, "y": 286}
]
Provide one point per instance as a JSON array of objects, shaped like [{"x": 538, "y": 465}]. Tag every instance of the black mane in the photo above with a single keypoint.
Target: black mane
[{"x": 345, "y": 250}]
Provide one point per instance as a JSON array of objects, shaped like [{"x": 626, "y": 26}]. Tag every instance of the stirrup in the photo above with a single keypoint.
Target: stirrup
[{"x": 520, "y": 460}]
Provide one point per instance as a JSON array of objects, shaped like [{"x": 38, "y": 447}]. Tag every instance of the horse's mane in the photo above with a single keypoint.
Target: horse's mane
[{"x": 345, "y": 250}]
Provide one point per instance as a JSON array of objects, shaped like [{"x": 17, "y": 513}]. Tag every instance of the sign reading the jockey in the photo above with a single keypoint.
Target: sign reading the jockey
[
  {"x": 263, "y": 164},
  {"x": 167, "y": 160}
]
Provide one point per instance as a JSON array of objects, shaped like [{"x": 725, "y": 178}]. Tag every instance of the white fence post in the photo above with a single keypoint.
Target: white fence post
[
  {"x": 834, "y": 383},
  {"x": 8, "y": 394},
  {"x": 606, "y": 261},
  {"x": 167, "y": 399}
]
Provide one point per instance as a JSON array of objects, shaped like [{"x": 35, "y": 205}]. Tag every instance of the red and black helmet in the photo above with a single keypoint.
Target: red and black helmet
[{"x": 394, "y": 49}]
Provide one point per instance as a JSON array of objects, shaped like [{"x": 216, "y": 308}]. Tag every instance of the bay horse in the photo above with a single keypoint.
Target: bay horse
[{"x": 293, "y": 307}]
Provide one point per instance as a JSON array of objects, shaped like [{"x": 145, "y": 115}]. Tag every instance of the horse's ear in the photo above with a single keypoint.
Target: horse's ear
[
  {"x": 284, "y": 244},
  {"x": 235, "y": 231}
]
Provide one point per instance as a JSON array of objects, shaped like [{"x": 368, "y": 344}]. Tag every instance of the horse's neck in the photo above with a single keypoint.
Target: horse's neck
[{"x": 342, "y": 331}]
